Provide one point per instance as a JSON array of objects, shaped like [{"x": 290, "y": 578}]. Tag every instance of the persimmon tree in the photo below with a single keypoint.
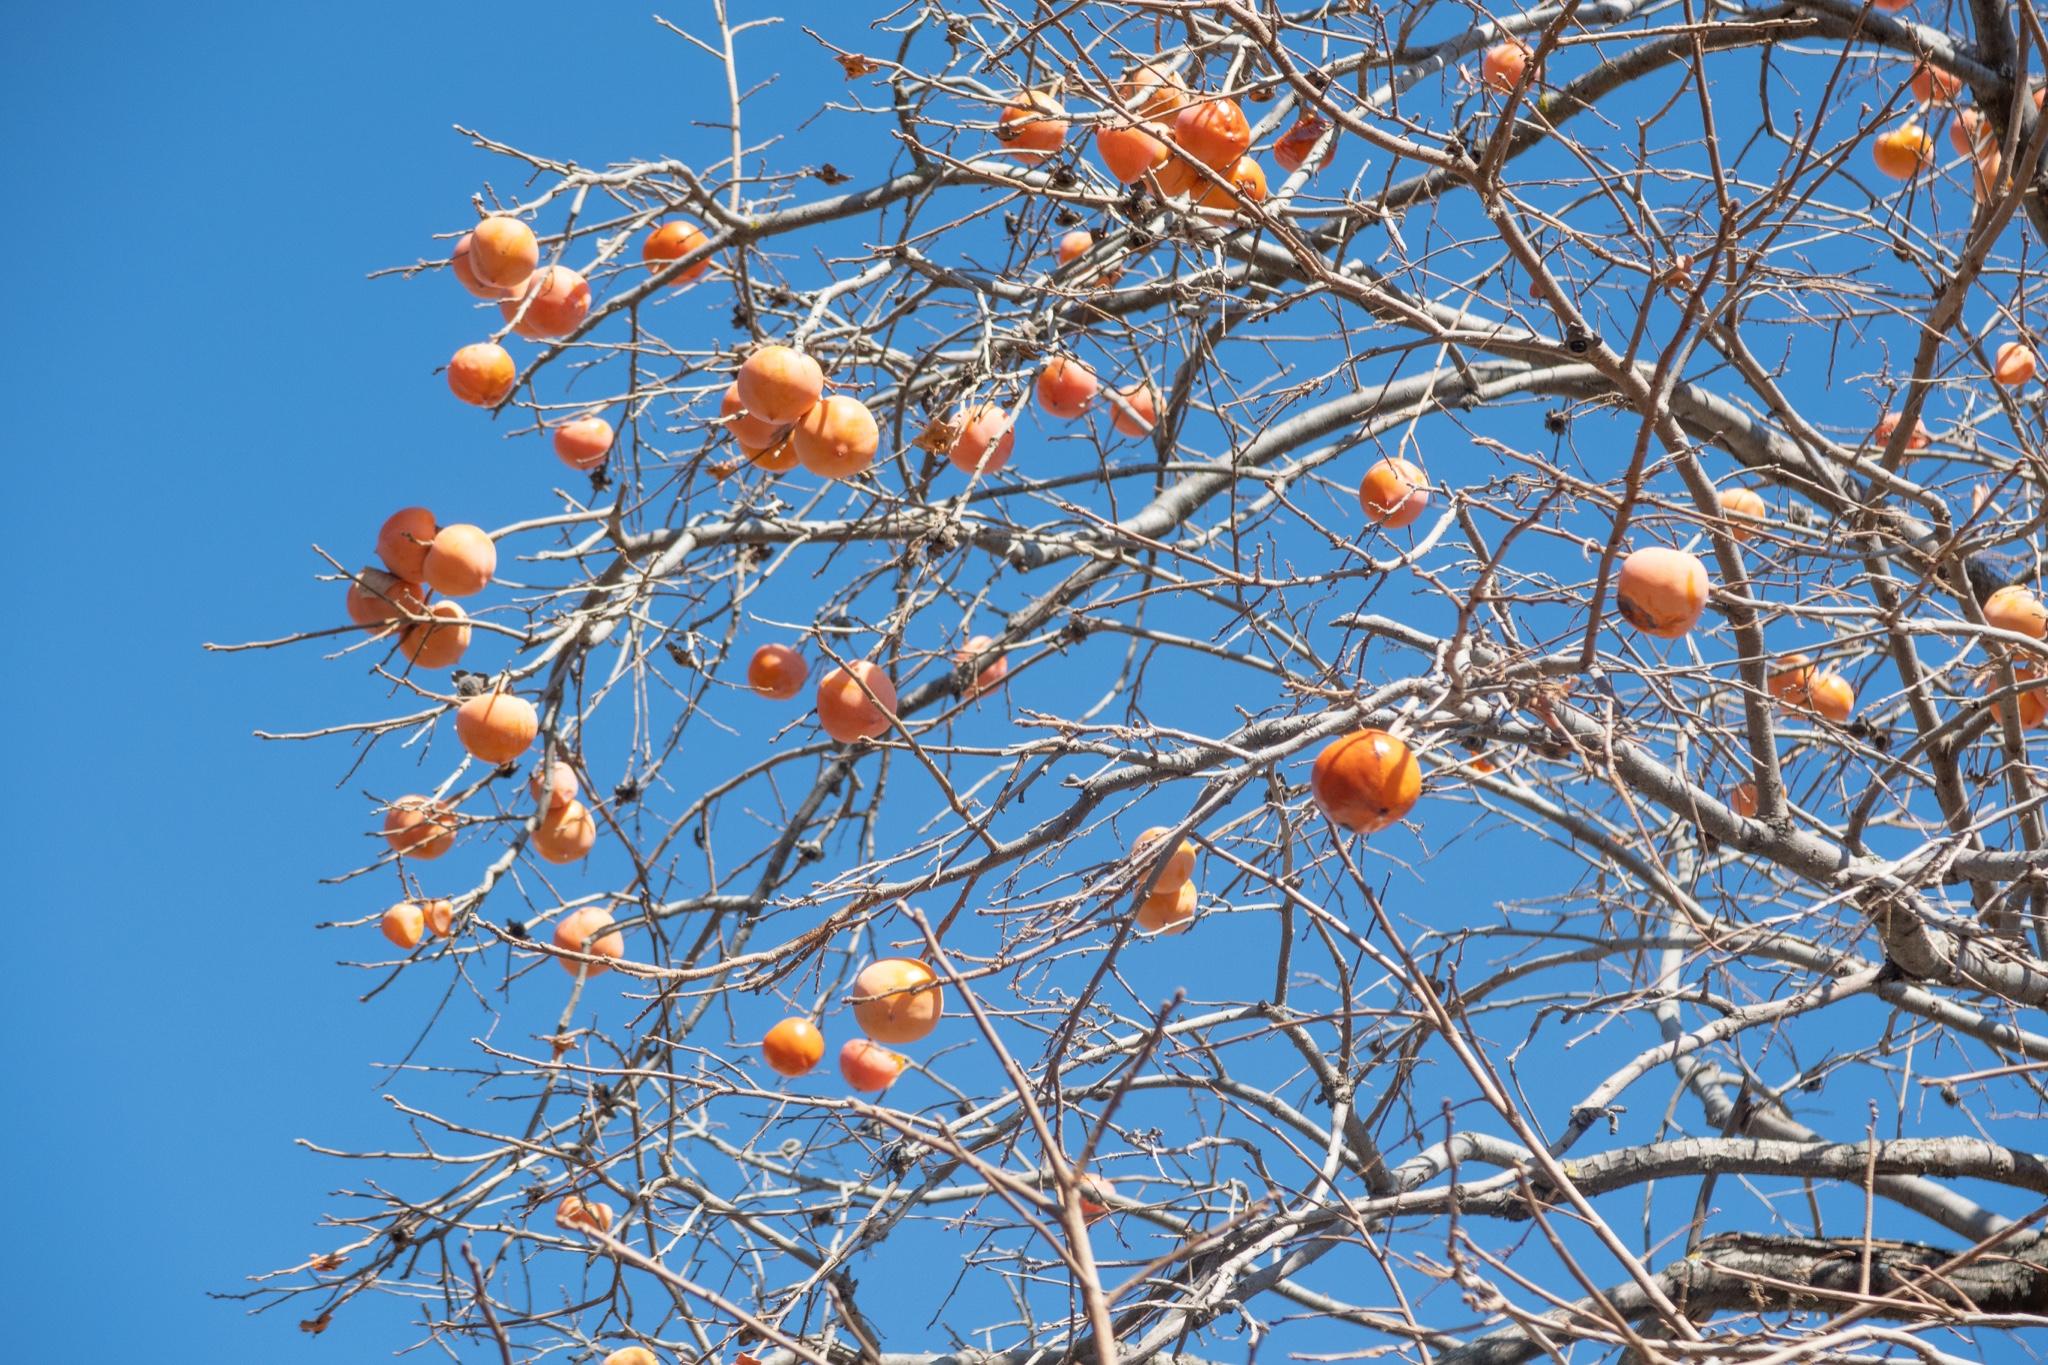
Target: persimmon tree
[{"x": 1191, "y": 679}]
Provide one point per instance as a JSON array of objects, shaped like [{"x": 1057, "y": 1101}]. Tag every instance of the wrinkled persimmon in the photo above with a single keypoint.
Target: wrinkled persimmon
[
  {"x": 405, "y": 924},
  {"x": 1146, "y": 850},
  {"x": 1213, "y": 131},
  {"x": 1365, "y": 780},
  {"x": 577, "y": 1214},
  {"x": 1168, "y": 911}
]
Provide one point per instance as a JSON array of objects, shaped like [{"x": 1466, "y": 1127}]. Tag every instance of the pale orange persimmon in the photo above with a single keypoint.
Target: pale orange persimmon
[
  {"x": 584, "y": 442},
  {"x": 672, "y": 241},
  {"x": 1153, "y": 91},
  {"x": 1294, "y": 146},
  {"x": 1179, "y": 867},
  {"x": 1742, "y": 507},
  {"x": 439, "y": 916},
  {"x": 1920, "y": 439},
  {"x": 1129, "y": 150},
  {"x": 403, "y": 539},
  {"x": 496, "y": 727},
  {"x": 376, "y": 598},
  {"x": 1661, "y": 591},
  {"x": 405, "y": 924},
  {"x": 419, "y": 826},
  {"x": 632, "y": 1355},
  {"x": 1136, "y": 410},
  {"x": 577, "y": 1214},
  {"x": 1032, "y": 128},
  {"x": 897, "y": 1000},
  {"x": 1246, "y": 183},
  {"x": 1394, "y": 493},
  {"x": 2014, "y": 365},
  {"x": 1903, "y": 152},
  {"x": 482, "y": 374},
  {"x": 991, "y": 674},
  {"x": 869, "y": 1066},
  {"x": 837, "y": 438},
  {"x": 1065, "y": 387},
  {"x": 462, "y": 560},
  {"x": 1968, "y": 133},
  {"x": 1366, "y": 780},
  {"x": 1504, "y": 63},
  {"x": 556, "y": 301},
  {"x": 1090, "y": 1191},
  {"x": 753, "y": 433},
  {"x": 2033, "y": 701},
  {"x": 985, "y": 440},
  {"x": 458, "y": 261},
  {"x": 1213, "y": 132},
  {"x": 777, "y": 672},
  {"x": 1075, "y": 245},
  {"x": 439, "y": 643},
  {"x": 777, "y": 457},
  {"x": 1168, "y": 911},
  {"x": 564, "y": 833},
  {"x": 1801, "y": 685},
  {"x": 1932, "y": 85},
  {"x": 1984, "y": 172},
  {"x": 793, "y": 1047},
  {"x": 502, "y": 252},
  {"x": 779, "y": 384},
  {"x": 846, "y": 712},
  {"x": 589, "y": 931},
  {"x": 1742, "y": 800},
  {"x": 556, "y": 782},
  {"x": 2016, "y": 608}
]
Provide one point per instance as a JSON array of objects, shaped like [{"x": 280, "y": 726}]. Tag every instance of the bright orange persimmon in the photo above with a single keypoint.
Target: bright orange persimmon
[
  {"x": 837, "y": 438},
  {"x": 496, "y": 727},
  {"x": 1128, "y": 151},
  {"x": 439, "y": 915},
  {"x": 405, "y": 924},
  {"x": 846, "y": 711},
  {"x": 1661, "y": 591},
  {"x": 403, "y": 539},
  {"x": 991, "y": 675},
  {"x": 793, "y": 1047},
  {"x": 1136, "y": 409},
  {"x": 583, "y": 443},
  {"x": 577, "y": 1214},
  {"x": 750, "y": 431},
  {"x": 458, "y": 261},
  {"x": 1168, "y": 911},
  {"x": 779, "y": 384},
  {"x": 1179, "y": 867},
  {"x": 985, "y": 440},
  {"x": 897, "y": 1000},
  {"x": 2016, "y": 608},
  {"x": 1366, "y": 780},
  {"x": 589, "y": 931},
  {"x": 1932, "y": 85},
  {"x": 868, "y": 1065},
  {"x": 1743, "y": 799},
  {"x": 1394, "y": 493},
  {"x": 1153, "y": 91},
  {"x": 556, "y": 780},
  {"x": 1033, "y": 128},
  {"x": 1903, "y": 152},
  {"x": 1213, "y": 132},
  {"x": 482, "y": 374},
  {"x": 2033, "y": 701},
  {"x": 419, "y": 826},
  {"x": 1178, "y": 176},
  {"x": 564, "y": 833},
  {"x": 462, "y": 560},
  {"x": 376, "y": 598},
  {"x": 440, "y": 643},
  {"x": 1293, "y": 149},
  {"x": 1800, "y": 685},
  {"x": 672, "y": 241},
  {"x": 502, "y": 252},
  {"x": 1504, "y": 63},
  {"x": 556, "y": 301},
  {"x": 777, "y": 457},
  {"x": 777, "y": 672},
  {"x": 1075, "y": 245},
  {"x": 1246, "y": 182},
  {"x": 1742, "y": 506},
  {"x": 1065, "y": 387},
  {"x": 2014, "y": 364}
]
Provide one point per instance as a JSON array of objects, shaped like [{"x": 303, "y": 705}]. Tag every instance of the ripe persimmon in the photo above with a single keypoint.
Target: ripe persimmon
[
  {"x": 439, "y": 643},
  {"x": 589, "y": 931},
  {"x": 1742, "y": 800},
  {"x": 1294, "y": 146},
  {"x": 556, "y": 301},
  {"x": 1213, "y": 131},
  {"x": 632, "y": 1355},
  {"x": 376, "y": 598},
  {"x": 553, "y": 784},
  {"x": 1502, "y": 66},
  {"x": 793, "y": 1047},
  {"x": 1136, "y": 409},
  {"x": 2014, "y": 607},
  {"x": 1032, "y": 128},
  {"x": 1394, "y": 493},
  {"x": 1743, "y": 507},
  {"x": 496, "y": 727},
  {"x": 482, "y": 374},
  {"x": 672, "y": 241},
  {"x": 868, "y": 1066},
  {"x": 1129, "y": 150},
  {"x": 897, "y": 1000},
  {"x": 1245, "y": 182},
  {"x": 1968, "y": 133},
  {"x": 1065, "y": 387},
  {"x": 1091, "y": 1190},
  {"x": 777, "y": 672},
  {"x": 1903, "y": 152},
  {"x": 1075, "y": 245},
  {"x": 753, "y": 433},
  {"x": 837, "y": 438},
  {"x": 439, "y": 916},
  {"x": 1179, "y": 867},
  {"x": 990, "y": 676},
  {"x": 419, "y": 826},
  {"x": 564, "y": 833},
  {"x": 1920, "y": 438},
  {"x": 584, "y": 442},
  {"x": 1932, "y": 85},
  {"x": 405, "y": 924},
  {"x": 985, "y": 440},
  {"x": 779, "y": 384},
  {"x": 1661, "y": 591},
  {"x": 577, "y": 1214},
  {"x": 462, "y": 560},
  {"x": 846, "y": 711},
  {"x": 1801, "y": 685},
  {"x": 1168, "y": 911},
  {"x": 502, "y": 252},
  {"x": 403, "y": 539},
  {"x": 1366, "y": 780},
  {"x": 1153, "y": 91},
  {"x": 458, "y": 261},
  {"x": 2014, "y": 365}
]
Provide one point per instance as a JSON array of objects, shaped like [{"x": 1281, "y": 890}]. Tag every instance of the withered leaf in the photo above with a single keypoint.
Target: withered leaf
[
  {"x": 938, "y": 437},
  {"x": 856, "y": 65},
  {"x": 317, "y": 1325},
  {"x": 327, "y": 1260},
  {"x": 832, "y": 175}
]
